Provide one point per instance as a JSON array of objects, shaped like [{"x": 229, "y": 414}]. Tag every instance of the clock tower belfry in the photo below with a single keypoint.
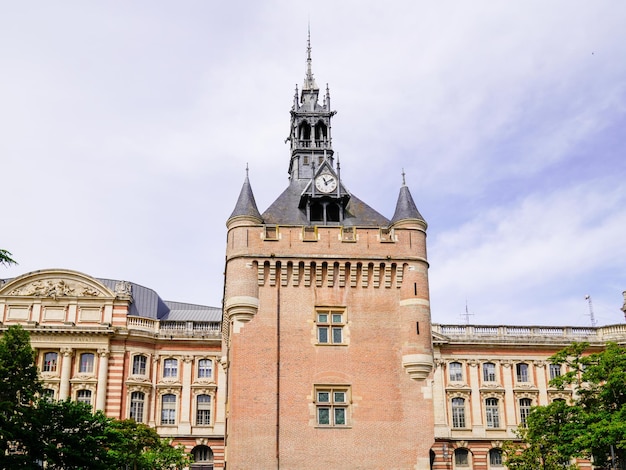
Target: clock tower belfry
[{"x": 327, "y": 329}]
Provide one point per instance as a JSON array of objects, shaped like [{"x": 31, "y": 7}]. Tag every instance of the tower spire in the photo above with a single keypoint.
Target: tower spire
[{"x": 309, "y": 81}]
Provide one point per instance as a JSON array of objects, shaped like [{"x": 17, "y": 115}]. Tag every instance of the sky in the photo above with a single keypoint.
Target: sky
[{"x": 127, "y": 128}]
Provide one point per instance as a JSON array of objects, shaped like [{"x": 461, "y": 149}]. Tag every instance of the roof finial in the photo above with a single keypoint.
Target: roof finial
[
  {"x": 246, "y": 169},
  {"x": 403, "y": 178}
]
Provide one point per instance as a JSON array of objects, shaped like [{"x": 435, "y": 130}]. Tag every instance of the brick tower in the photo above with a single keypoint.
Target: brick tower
[{"x": 327, "y": 319}]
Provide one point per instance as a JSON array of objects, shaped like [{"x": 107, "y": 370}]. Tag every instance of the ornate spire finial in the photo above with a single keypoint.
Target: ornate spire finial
[
  {"x": 309, "y": 81},
  {"x": 403, "y": 177},
  {"x": 246, "y": 169}
]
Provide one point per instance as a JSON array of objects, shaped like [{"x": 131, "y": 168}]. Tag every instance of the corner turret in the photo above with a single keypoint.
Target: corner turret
[{"x": 246, "y": 211}]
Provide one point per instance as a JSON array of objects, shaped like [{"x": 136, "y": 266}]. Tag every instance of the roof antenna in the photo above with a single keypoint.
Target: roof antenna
[
  {"x": 591, "y": 315},
  {"x": 466, "y": 315}
]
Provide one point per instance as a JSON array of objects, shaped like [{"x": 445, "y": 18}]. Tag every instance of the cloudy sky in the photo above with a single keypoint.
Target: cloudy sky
[{"x": 127, "y": 127}]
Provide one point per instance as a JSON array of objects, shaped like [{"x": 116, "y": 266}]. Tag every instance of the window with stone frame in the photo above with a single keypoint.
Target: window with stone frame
[
  {"x": 140, "y": 363},
  {"x": 455, "y": 372},
  {"x": 137, "y": 404},
  {"x": 83, "y": 396},
  {"x": 203, "y": 410},
  {"x": 205, "y": 368},
  {"x": 458, "y": 412},
  {"x": 50, "y": 361},
  {"x": 330, "y": 325},
  {"x": 495, "y": 458},
  {"x": 555, "y": 371},
  {"x": 332, "y": 405},
  {"x": 168, "y": 409},
  {"x": 461, "y": 458},
  {"x": 492, "y": 413},
  {"x": 489, "y": 372},
  {"x": 86, "y": 363},
  {"x": 170, "y": 368},
  {"x": 521, "y": 371},
  {"x": 525, "y": 405}
]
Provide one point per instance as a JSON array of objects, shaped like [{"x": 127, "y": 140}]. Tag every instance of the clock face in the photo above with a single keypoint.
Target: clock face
[{"x": 326, "y": 183}]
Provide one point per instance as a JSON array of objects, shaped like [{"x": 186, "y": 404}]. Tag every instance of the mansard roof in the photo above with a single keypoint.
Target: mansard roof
[{"x": 285, "y": 210}]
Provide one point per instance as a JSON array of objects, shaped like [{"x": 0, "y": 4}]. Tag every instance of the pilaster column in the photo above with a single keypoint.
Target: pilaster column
[
  {"x": 476, "y": 398},
  {"x": 185, "y": 397},
  {"x": 541, "y": 372},
  {"x": 509, "y": 378},
  {"x": 103, "y": 368},
  {"x": 66, "y": 372}
]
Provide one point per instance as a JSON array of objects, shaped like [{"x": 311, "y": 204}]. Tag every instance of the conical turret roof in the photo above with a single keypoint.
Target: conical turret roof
[
  {"x": 246, "y": 204},
  {"x": 405, "y": 207}
]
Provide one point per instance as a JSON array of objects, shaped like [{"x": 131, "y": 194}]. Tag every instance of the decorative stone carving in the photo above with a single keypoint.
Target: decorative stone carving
[
  {"x": 55, "y": 288},
  {"x": 123, "y": 288}
]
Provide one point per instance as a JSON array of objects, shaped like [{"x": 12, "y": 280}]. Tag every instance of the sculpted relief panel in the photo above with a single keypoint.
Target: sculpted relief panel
[{"x": 56, "y": 288}]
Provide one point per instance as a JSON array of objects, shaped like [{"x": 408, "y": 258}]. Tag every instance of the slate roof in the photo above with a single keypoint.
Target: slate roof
[
  {"x": 405, "y": 207},
  {"x": 246, "y": 204},
  {"x": 285, "y": 211}
]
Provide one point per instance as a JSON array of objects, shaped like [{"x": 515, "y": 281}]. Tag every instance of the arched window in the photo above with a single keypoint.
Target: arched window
[
  {"x": 492, "y": 414},
  {"x": 461, "y": 458},
  {"x": 455, "y": 370},
  {"x": 50, "y": 362},
  {"x": 168, "y": 409},
  {"x": 84, "y": 396},
  {"x": 458, "y": 412},
  {"x": 320, "y": 131},
  {"x": 137, "y": 401},
  {"x": 48, "y": 393},
  {"x": 203, "y": 410},
  {"x": 495, "y": 458},
  {"x": 86, "y": 363},
  {"x": 139, "y": 364},
  {"x": 305, "y": 131},
  {"x": 203, "y": 458},
  {"x": 524, "y": 410}
]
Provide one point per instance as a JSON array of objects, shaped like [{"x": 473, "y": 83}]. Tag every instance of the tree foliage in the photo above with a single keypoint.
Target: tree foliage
[
  {"x": 592, "y": 425},
  {"x": 65, "y": 435},
  {"x": 6, "y": 258}
]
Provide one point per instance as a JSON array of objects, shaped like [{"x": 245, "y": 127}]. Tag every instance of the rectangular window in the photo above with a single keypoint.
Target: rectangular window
[
  {"x": 50, "y": 362},
  {"x": 491, "y": 413},
  {"x": 461, "y": 457},
  {"x": 522, "y": 372},
  {"x": 84, "y": 396},
  {"x": 139, "y": 365},
  {"x": 524, "y": 410},
  {"x": 458, "y": 412},
  {"x": 203, "y": 410},
  {"x": 330, "y": 326},
  {"x": 137, "y": 400},
  {"x": 332, "y": 406},
  {"x": 456, "y": 371},
  {"x": 489, "y": 372},
  {"x": 170, "y": 368},
  {"x": 555, "y": 371},
  {"x": 205, "y": 368},
  {"x": 168, "y": 409},
  {"x": 86, "y": 363}
]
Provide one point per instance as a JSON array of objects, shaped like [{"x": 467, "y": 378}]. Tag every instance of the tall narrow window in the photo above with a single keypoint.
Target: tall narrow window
[
  {"x": 86, "y": 363},
  {"x": 137, "y": 401},
  {"x": 524, "y": 410},
  {"x": 458, "y": 412},
  {"x": 203, "y": 410},
  {"x": 205, "y": 368},
  {"x": 555, "y": 371},
  {"x": 50, "y": 362},
  {"x": 330, "y": 325},
  {"x": 522, "y": 372},
  {"x": 48, "y": 393},
  {"x": 170, "y": 368},
  {"x": 332, "y": 406},
  {"x": 489, "y": 372},
  {"x": 168, "y": 409},
  {"x": 84, "y": 396},
  {"x": 456, "y": 371},
  {"x": 491, "y": 413},
  {"x": 139, "y": 364}
]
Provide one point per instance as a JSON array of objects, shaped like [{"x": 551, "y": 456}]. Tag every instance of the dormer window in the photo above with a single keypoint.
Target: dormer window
[{"x": 325, "y": 212}]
